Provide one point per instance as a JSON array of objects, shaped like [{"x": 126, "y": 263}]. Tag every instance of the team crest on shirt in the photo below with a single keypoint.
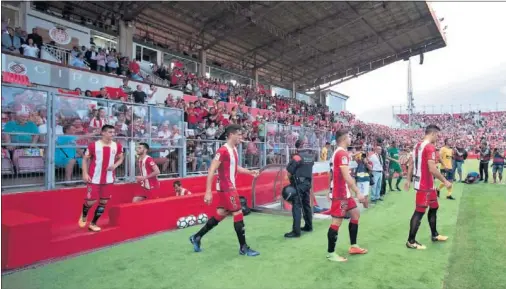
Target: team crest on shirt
[
  {"x": 232, "y": 201},
  {"x": 344, "y": 160},
  {"x": 217, "y": 157},
  {"x": 113, "y": 152}
]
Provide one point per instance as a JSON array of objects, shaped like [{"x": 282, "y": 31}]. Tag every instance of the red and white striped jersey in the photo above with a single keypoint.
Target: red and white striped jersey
[
  {"x": 227, "y": 172},
  {"x": 98, "y": 123},
  {"x": 422, "y": 178},
  {"x": 338, "y": 185},
  {"x": 102, "y": 157},
  {"x": 146, "y": 168}
]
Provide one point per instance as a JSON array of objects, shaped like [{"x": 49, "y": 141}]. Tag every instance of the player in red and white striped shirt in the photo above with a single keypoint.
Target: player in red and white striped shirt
[
  {"x": 422, "y": 170},
  {"x": 342, "y": 185},
  {"x": 180, "y": 191},
  {"x": 104, "y": 156},
  {"x": 148, "y": 180},
  {"x": 100, "y": 120},
  {"x": 226, "y": 162}
]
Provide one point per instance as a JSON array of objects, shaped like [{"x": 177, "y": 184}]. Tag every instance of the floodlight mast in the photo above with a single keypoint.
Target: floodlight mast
[{"x": 411, "y": 105}]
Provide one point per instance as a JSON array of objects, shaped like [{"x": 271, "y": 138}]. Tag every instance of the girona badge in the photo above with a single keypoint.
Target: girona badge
[
  {"x": 59, "y": 35},
  {"x": 217, "y": 157},
  {"x": 344, "y": 160},
  {"x": 89, "y": 191},
  {"x": 16, "y": 67},
  {"x": 232, "y": 201}
]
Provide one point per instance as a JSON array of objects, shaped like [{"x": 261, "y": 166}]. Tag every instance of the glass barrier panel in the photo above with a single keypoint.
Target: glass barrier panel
[
  {"x": 199, "y": 154},
  {"x": 24, "y": 137},
  {"x": 78, "y": 116},
  {"x": 121, "y": 116},
  {"x": 251, "y": 154},
  {"x": 24, "y": 164}
]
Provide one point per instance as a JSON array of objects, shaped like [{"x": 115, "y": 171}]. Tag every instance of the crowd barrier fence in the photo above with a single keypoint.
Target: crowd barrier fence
[{"x": 45, "y": 136}]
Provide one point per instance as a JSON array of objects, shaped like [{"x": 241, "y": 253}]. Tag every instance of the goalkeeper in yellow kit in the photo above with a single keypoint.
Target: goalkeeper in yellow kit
[{"x": 446, "y": 161}]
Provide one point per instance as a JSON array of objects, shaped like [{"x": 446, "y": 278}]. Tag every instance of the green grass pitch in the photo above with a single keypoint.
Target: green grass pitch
[{"x": 473, "y": 257}]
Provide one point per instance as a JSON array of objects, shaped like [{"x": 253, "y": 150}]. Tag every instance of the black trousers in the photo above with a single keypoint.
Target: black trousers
[
  {"x": 383, "y": 184},
  {"x": 484, "y": 171},
  {"x": 302, "y": 204}
]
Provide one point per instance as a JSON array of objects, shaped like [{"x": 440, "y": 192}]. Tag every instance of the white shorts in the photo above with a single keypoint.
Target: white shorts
[{"x": 364, "y": 188}]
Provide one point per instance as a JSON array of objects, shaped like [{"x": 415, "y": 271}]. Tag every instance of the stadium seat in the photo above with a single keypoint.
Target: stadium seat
[
  {"x": 28, "y": 161},
  {"x": 7, "y": 166}
]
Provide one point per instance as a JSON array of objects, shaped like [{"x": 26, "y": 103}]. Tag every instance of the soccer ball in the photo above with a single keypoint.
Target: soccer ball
[
  {"x": 182, "y": 223},
  {"x": 191, "y": 220},
  {"x": 202, "y": 218}
]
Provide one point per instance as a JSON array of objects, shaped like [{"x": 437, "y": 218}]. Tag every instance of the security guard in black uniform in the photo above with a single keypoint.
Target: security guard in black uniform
[{"x": 300, "y": 173}]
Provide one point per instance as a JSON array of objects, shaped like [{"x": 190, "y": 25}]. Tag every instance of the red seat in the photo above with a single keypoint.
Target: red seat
[
  {"x": 7, "y": 167},
  {"x": 28, "y": 161}
]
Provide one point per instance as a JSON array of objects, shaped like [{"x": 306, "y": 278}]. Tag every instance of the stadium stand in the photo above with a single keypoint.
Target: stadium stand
[{"x": 469, "y": 128}]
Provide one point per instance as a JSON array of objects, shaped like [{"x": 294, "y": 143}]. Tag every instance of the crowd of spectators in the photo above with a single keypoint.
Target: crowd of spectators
[
  {"x": 219, "y": 104},
  {"x": 18, "y": 41},
  {"x": 281, "y": 121},
  {"x": 107, "y": 61},
  {"x": 468, "y": 128},
  {"x": 79, "y": 119}
]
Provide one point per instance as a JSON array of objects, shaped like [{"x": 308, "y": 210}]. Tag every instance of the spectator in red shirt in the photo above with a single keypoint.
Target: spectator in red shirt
[
  {"x": 191, "y": 116},
  {"x": 135, "y": 70}
]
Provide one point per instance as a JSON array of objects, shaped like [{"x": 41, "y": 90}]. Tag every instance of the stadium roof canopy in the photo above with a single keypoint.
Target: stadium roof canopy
[{"x": 309, "y": 43}]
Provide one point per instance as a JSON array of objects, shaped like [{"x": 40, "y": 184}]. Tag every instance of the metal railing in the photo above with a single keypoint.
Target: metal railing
[
  {"x": 253, "y": 154},
  {"x": 289, "y": 134},
  {"x": 61, "y": 55},
  {"x": 155, "y": 79},
  {"x": 24, "y": 163},
  {"x": 46, "y": 134}
]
